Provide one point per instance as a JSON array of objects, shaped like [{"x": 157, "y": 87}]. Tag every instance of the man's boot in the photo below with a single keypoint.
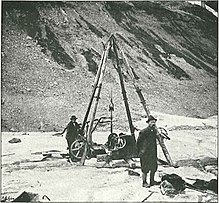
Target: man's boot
[
  {"x": 152, "y": 181},
  {"x": 144, "y": 179}
]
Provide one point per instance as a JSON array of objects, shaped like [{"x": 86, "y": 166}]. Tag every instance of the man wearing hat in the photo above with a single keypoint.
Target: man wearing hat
[
  {"x": 73, "y": 129},
  {"x": 147, "y": 151}
]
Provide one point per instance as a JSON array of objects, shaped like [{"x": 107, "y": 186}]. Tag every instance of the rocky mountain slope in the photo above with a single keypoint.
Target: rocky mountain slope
[{"x": 51, "y": 51}]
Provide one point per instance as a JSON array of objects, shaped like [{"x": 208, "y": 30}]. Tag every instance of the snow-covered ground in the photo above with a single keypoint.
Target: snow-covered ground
[
  {"x": 207, "y": 7},
  {"x": 191, "y": 140}
]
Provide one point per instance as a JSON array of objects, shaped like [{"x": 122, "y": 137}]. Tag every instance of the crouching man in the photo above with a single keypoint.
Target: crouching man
[{"x": 147, "y": 151}]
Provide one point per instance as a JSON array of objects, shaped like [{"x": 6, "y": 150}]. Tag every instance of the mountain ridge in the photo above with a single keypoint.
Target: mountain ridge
[{"x": 51, "y": 52}]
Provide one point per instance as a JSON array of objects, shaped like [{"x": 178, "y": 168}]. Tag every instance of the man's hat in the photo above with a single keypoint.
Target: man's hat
[
  {"x": 73, "y": 117},
  {"x": 151, "y": 118}
]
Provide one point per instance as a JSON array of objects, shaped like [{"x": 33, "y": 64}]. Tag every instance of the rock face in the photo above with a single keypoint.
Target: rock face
[{"x": 51, "y": 52}]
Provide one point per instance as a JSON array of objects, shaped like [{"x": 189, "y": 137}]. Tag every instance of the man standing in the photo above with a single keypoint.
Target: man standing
[
  {"x": 73, "y": 129},
  {"x": 147, "y": 151}
]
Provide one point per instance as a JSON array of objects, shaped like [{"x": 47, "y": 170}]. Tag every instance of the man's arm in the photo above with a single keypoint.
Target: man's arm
[
  {"x": 57, "y": 134},
  {"x": 139, "y": 143}
]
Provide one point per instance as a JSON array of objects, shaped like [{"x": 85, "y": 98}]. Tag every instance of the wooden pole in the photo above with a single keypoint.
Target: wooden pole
[
  {"x": 111, "y": 121},
  {"x": 102, "y": 61},
  {"x": 164, "y": 148},
  {"x": 98, "y": 88},
  {"x": 143, "y": 102},
  {"x": 147, "y": 197},
  {"x": 118, "y": 68},
  {"x": 137, "y": 88},
  {"x": 111, "y": 109}
]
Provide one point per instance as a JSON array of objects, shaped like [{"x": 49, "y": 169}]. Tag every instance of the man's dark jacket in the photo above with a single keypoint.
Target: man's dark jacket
[
  {"x": 147, "y": 149},
  {"x": 73, "y": 129}
]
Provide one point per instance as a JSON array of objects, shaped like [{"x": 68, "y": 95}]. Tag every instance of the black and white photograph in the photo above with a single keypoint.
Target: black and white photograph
[{"x": 109, "y": 101}]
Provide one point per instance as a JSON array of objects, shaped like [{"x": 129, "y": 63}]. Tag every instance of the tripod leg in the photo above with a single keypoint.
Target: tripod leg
[{"x": 165, "y": 151}]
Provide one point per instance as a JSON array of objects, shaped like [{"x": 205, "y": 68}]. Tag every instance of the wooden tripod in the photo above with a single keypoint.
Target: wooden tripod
[{"x": 112, "y": 45}]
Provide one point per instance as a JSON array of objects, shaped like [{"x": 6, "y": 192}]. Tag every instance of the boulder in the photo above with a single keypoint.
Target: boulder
[{"x": 14, "y": 140}]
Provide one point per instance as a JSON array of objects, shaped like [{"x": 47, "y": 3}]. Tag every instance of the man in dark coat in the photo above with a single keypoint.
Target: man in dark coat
[
  {"x": 147, "y": 151},
  {"x": 73, "y": 129}
]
